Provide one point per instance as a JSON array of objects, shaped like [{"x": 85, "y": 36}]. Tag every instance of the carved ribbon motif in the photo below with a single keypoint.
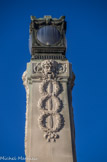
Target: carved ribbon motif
[{"x": 50, "y": 120}]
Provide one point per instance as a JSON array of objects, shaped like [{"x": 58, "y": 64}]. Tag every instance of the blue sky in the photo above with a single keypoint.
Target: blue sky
[{"x": 86, "y": 49}]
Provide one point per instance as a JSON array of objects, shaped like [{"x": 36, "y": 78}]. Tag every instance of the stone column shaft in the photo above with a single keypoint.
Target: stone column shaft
[{"x": 49, "y": 131}]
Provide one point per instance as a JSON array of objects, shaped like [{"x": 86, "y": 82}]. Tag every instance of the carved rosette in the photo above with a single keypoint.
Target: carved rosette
[{"x": 51, "y": 121}]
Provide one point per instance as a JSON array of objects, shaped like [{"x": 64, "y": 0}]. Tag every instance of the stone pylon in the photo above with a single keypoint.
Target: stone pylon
[{"x": 49, "y": 130}]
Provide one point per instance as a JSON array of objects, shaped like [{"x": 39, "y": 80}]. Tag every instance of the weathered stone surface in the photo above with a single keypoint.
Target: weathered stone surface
[{"x": 49, "y": 131}]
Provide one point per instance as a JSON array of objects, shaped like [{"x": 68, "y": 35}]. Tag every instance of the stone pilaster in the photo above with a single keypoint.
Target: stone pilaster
[{"x": 49, "y": 131}]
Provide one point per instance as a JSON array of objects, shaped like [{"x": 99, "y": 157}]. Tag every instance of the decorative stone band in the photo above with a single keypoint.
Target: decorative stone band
[{"x": 49, "y": 68}]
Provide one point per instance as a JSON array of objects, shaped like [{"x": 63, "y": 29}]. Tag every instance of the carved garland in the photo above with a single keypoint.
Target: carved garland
[{"x": 50, "y": 120}]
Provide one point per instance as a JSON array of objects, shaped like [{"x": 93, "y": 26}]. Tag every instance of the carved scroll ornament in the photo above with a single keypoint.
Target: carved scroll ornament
[{"x": 49, "y": 69}]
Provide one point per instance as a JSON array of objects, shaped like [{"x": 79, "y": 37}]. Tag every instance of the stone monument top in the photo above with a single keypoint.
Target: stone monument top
[{"x": 47, "y": 37}]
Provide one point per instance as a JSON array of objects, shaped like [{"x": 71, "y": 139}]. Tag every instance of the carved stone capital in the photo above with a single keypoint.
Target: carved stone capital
[{"x": 49, "y": 69}]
